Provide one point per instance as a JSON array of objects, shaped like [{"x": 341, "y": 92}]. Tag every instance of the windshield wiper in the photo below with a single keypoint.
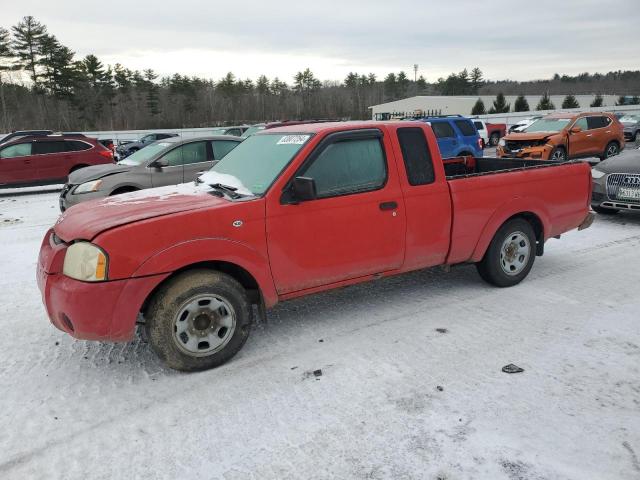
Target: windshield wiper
[{"x": 229, "y": 190}]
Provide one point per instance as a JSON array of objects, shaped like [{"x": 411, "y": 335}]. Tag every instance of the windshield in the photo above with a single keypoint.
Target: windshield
[
  {"x": 548, "y": 125},
  {"x": 253, "y": 165},
  {"x": 144, "y": 154},
  {"x": 630, "y": 119}
]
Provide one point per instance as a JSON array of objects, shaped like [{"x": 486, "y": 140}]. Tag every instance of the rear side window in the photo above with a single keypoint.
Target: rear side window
[
  {"x": 349, "y": 166},
  {"x": 19, "y": 150},
  {"x": 466, "y": 127},
  {"x": 598, "y": 122},
  {"x": 416, "y": 155},
  {"x": 443, "y": 130},
  {"x": 479, "y": 125},
  {"x": 222, "y": 147},
  {"x": 43, "y": 148},
  {"x": 76, "y": 146},
  {"x": 236, "y": 132}
]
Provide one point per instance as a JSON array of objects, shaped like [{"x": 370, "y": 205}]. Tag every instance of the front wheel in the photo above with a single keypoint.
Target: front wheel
[
  {"x": 510, "y": 255},
  {"x": 558, "y": 155},
  {"x": 198, "y": 320}
]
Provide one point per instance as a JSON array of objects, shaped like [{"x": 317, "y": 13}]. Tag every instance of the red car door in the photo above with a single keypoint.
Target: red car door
[
  {"x": 16, "y": 164},
  {"x": 52, "y": 160},
  {"x": 356, "y": 225}
]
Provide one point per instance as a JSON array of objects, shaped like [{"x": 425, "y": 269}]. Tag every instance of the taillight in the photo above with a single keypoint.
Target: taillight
[
  {"x": 480, "y": 143},
  {"x": 106, "y": 154}
]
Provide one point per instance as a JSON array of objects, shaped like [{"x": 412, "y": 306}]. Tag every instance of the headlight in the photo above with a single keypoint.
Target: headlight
[
  {"x": 88, "y": 187},
  {"x": 597, "y": 173},
  {"x": 84, "y": 261},
  {"x": 502, "y": 143}
]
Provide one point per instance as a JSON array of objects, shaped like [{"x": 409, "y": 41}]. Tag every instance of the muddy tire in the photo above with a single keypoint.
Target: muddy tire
[
  {"x": 198, "y": 320},
  {"x": 510, "y": 255}
]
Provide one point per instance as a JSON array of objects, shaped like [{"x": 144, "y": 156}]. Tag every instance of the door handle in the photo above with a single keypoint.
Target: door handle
[{"x": 388, "y": 205}]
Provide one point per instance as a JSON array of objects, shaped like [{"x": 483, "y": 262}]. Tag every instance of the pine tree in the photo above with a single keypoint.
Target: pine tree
[
  {"x": 478, "y": 108},
  {"x": 570, "y": 102},
  {"x": 545, "y": 103},
  {"x": 403, "y": 84},
  {"x": 27, "y": 46},
  {"x": 390, "y": 87},
  {"x": 152, "y": 92},
  {"x": 305, "y": 83},
  {"x": 597, "y": 102},
  {"x": 6, "y": 55},
  {"x": 622, "y": 100},
  {"x": 476, "y": 80},
  {"x": 59, "y": 71},
  {"x": 421, "y": 84},
  {"x": 500, "y": 105},
  {"x": 521, "y": 104},
  {"x": 635, "y": 100}
]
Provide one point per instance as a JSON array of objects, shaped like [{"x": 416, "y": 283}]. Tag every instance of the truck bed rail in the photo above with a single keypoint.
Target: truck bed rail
[{"x": 465, "y": 167}]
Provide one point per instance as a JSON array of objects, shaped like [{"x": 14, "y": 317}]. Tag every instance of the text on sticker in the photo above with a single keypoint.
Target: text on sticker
[{"x": 293, "y": 140}]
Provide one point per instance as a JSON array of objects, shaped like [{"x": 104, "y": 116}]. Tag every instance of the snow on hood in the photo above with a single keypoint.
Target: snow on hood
[
  {"x": 211, "y": 177},
  {"x": 88, "y": 219}
]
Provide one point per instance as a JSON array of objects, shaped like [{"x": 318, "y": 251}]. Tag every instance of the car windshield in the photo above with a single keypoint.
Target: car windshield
[
  {"x": 548, "y": 125},
  {"x": 144, "y": 154},
  {"x": 253, "y": 165},
  {"x": 630, "y": 119}
]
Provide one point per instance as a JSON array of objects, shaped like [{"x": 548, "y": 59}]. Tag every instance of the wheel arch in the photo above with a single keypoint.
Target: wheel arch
[{"x": 537, "y": 217}]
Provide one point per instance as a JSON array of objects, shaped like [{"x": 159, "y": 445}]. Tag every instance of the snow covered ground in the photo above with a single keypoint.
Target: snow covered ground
[{"x": 410, "y": 386}]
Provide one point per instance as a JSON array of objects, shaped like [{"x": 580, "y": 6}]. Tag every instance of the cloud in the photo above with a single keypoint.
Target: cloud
[{"x": 517, "y": 40}]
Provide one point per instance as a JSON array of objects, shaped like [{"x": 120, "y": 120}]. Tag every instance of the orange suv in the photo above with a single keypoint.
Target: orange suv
[{"x": 564, "y": 136}]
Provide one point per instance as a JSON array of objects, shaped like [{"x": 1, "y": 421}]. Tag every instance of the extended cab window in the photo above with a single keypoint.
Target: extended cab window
[
  {"x": 19, "y": 150},
  {"x": 466, "y": 127},
  {"x": 349, "y": 166},
  {"x": 185, "y": 154},
  {"x": 416, "y": 156},
  {"x": 443, "y": 130}
]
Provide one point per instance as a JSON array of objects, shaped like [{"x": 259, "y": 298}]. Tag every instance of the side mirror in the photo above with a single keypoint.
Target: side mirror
[
  {"x": 159, "y": 164},
  {"x": 576, "y": 130},
  {"x": 303, "y": 189}
]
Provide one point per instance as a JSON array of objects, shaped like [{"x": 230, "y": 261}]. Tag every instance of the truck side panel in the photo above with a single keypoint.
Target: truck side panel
[{"x": 482, "y": 204}]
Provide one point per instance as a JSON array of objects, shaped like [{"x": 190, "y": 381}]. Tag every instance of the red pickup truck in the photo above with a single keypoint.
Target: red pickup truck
[{"x": 289, "y": 212}]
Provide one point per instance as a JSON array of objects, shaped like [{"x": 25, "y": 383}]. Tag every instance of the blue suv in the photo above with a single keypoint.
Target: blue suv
[{"x": 457, "y": 135}]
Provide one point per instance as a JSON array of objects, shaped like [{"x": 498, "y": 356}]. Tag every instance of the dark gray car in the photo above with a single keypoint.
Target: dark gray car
[
  {"x": 631, "y": 124},
  {"x": 127, "y": 149},
  {"x": 616, "y": 183},
  {"x": 166, "y": 162}
]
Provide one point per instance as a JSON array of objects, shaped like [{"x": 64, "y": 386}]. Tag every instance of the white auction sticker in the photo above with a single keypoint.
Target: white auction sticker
[{"x": 293, "y": 140}]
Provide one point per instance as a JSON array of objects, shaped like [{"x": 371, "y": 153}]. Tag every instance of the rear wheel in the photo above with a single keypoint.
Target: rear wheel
[
  {"x": 494, "y": 139},
  {"x": 198, "y": 320},
  {"x": 558, "y": 154},
  {"x": 510, "y": 255},
  {"x": 605, "y": 211}
]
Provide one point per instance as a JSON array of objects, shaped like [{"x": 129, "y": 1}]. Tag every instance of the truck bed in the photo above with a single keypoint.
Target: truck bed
[{"x": 464, "y": 167}]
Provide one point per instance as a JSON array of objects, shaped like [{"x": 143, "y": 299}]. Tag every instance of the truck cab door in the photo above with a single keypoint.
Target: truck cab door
[{"x": 354, "y": 228}]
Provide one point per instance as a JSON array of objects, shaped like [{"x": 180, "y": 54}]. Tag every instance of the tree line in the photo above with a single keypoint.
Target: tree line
[{"x": 43, "y": 84}]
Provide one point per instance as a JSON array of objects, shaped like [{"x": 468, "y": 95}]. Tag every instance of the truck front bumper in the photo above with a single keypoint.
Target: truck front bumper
[{"x": 95, "y": 310}]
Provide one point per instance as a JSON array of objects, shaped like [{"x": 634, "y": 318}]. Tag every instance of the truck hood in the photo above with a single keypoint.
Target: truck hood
[
  {"x": 88, "y": 219},
  {"x": 95, "y": 172},
  {"x": 524, "y": 136}
]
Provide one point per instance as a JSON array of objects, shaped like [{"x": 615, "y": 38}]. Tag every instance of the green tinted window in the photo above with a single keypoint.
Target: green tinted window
[
  {"x": 349, "y": 166},
  {"x": 548, "y": 125},
  {"x": 19, "y": 150},
  {"x": 258, "y": 161},
  {"x": 190, "y": 153}
]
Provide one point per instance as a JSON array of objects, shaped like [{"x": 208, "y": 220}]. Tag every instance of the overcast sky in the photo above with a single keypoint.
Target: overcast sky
[{"x": 518, "y": 39}]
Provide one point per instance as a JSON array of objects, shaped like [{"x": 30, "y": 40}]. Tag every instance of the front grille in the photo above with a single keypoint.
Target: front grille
[
  {"x": 520, "y": 144},
  {"x": 617, "y": 181}
]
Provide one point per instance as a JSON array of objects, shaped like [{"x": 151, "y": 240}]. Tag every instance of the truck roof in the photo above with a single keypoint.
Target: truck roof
[{"x": 329, "y": 126}]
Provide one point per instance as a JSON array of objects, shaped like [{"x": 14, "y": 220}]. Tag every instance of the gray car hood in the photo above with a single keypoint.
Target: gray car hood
[
  {"x": 95, "y": 172},
  {"x": 627, "y": 162}
]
